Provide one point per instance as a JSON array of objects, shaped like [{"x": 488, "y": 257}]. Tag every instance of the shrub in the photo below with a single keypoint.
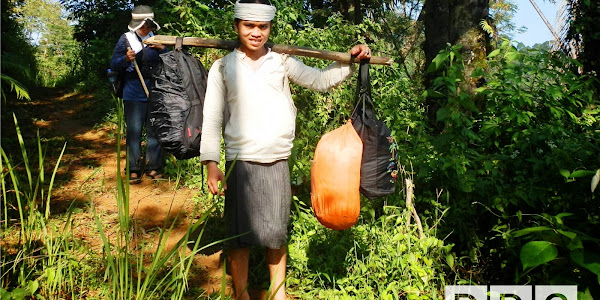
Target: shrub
[{"x": 502, "y": 151}]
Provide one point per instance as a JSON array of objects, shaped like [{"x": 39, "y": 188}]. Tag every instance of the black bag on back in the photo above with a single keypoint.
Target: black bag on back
[
  {"x": 117, "y": 82},
  {"x": 176, "y": 102},
  {"x": 377, "y": 178}
]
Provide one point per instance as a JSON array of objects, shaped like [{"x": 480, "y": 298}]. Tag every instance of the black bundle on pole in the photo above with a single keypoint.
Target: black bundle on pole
[{"x": 176, "y": 102}]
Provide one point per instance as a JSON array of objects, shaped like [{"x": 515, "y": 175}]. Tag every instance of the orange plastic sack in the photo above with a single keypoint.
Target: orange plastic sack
[{"x": 335, "y": 178}]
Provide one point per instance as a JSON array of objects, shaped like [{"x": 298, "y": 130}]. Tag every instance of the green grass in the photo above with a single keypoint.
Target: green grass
[
  {"x": 39, "y": 261},
  {"x": 375, "y": 259},
  {"x": 42, "y": 259}
]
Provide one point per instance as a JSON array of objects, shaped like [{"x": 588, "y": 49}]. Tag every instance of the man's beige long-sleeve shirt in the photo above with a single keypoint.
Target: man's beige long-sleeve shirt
[{"x": 255, "y": 107}]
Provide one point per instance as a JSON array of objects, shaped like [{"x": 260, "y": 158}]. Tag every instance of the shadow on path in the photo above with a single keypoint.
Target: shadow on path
[{"x": 87, "y": 176}]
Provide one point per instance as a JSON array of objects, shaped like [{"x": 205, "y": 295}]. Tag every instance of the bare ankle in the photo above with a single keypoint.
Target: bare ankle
[{"x": 243, "y": 296}]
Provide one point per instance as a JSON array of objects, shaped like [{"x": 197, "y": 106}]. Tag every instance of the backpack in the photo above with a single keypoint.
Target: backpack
[
  {"x": 117, "y": 82},
  {"x": 378, "y": 167},
  {"x": 176, "y": 102}
]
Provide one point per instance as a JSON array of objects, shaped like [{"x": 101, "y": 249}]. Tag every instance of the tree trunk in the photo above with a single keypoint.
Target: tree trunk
[
  {"x": 358, "y": 14},
  {"x": 454, "y": 22},
  {"x": 584, "y": 27}
]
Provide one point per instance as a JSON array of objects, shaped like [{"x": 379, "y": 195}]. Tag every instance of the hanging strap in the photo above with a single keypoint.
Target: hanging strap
[
  {"x": 363, "y": 89},
  {"x": 178, "y": 43},
  {"x": 364, "y": 81}
]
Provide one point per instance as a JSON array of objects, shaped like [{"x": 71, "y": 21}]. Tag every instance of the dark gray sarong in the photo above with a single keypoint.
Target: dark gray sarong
[{"x": 257, "y": 204}]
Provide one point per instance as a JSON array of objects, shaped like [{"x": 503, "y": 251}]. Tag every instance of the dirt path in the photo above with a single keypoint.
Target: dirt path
[{"x": 88, "y": 175}]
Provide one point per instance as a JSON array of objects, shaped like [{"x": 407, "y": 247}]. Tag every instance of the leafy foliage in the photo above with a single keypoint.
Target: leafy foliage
[
  {"x": 583, "y": 33},
  {"x": 57, "y": 53},
  {"x": 375, "y": 259},
  {"x": 18, "y": 61},
  {"x": 19, "y": 89},
  {"x": 98, "y": 26},
  {"x": 502, "y": 13},
  {"x": 556, "y": 241},
  {"x": 502, "y": 150}
]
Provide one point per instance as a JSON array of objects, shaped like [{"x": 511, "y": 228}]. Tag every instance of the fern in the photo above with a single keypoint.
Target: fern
[
  {"x": 19, "y": 89},
  {"x": 487, "y": 28}
]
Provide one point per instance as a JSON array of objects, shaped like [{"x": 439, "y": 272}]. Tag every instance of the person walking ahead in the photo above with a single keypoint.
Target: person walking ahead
[
  {"x": 135, "y": 99},
  {"x": 248, "y": 95}
]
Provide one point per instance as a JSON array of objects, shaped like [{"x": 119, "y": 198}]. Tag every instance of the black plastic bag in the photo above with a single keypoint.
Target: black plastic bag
[
  {"x": 176, "y": 102},
  {"x": 377, "y": 176}
]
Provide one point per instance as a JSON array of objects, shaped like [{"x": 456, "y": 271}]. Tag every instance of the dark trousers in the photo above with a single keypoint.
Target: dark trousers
[{"x": 136, "y": 118}]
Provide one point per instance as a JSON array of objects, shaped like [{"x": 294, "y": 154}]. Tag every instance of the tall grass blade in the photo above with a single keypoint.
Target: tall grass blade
[
  {"x": 5, "y": 200},
  {"x": 16, "y": 192},
  {"x": 62, "y": 152},
  {"x": 224, "y": 280},
  {"x": 23, "y": 152},
  {"x": 106, "y": 246},
  {"x": 40, "y": 180}
]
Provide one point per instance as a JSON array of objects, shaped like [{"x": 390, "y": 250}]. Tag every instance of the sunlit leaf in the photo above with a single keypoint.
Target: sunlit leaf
[
  {"x": 438, "y": 61},
  {"x": 19, "y": 89},
  {"x": 568, "y": 234},
  {"x": 480, "y": 89},
  {"x": 595, "y": 180},
  {"x": 450, "y": 260},
  {"x": 529, "y": 230},
  {"x": 585, "y": 295},
  {"x": 4, "y": 294},
  {"x": 33, "y": 286},
  {"x": 575, "y": 244},
  {"x": 536, "y": 253},
  {"x": 494, "y": 53},
  {"x": 562, "y": 215},
  {"x": 19, "y": 293},
  {"x": 582, "y": 173}
]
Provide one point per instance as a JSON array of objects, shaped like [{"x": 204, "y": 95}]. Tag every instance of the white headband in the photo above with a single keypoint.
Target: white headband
[
  {"x": 254, "y": 12},
  {"x": 142, "y": 16}
]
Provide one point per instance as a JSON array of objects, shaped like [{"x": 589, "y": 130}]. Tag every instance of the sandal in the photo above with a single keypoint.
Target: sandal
[
  {"x": 155, "y": 174},
  {"x": 134, "y": 178}
]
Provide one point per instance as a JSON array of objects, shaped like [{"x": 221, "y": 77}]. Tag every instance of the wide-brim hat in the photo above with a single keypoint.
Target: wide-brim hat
[{"x": 140, "y": 15}]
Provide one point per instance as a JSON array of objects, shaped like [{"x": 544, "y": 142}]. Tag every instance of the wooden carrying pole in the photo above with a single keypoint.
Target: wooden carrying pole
[
  {"x": 286, "y": 49},
  {"x": 137, "y": 69}
]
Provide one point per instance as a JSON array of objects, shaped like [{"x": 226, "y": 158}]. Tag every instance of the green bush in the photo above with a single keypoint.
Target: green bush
[
  {"x": 503, "y": 156},
  {"x": 378, "y": 258}
]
